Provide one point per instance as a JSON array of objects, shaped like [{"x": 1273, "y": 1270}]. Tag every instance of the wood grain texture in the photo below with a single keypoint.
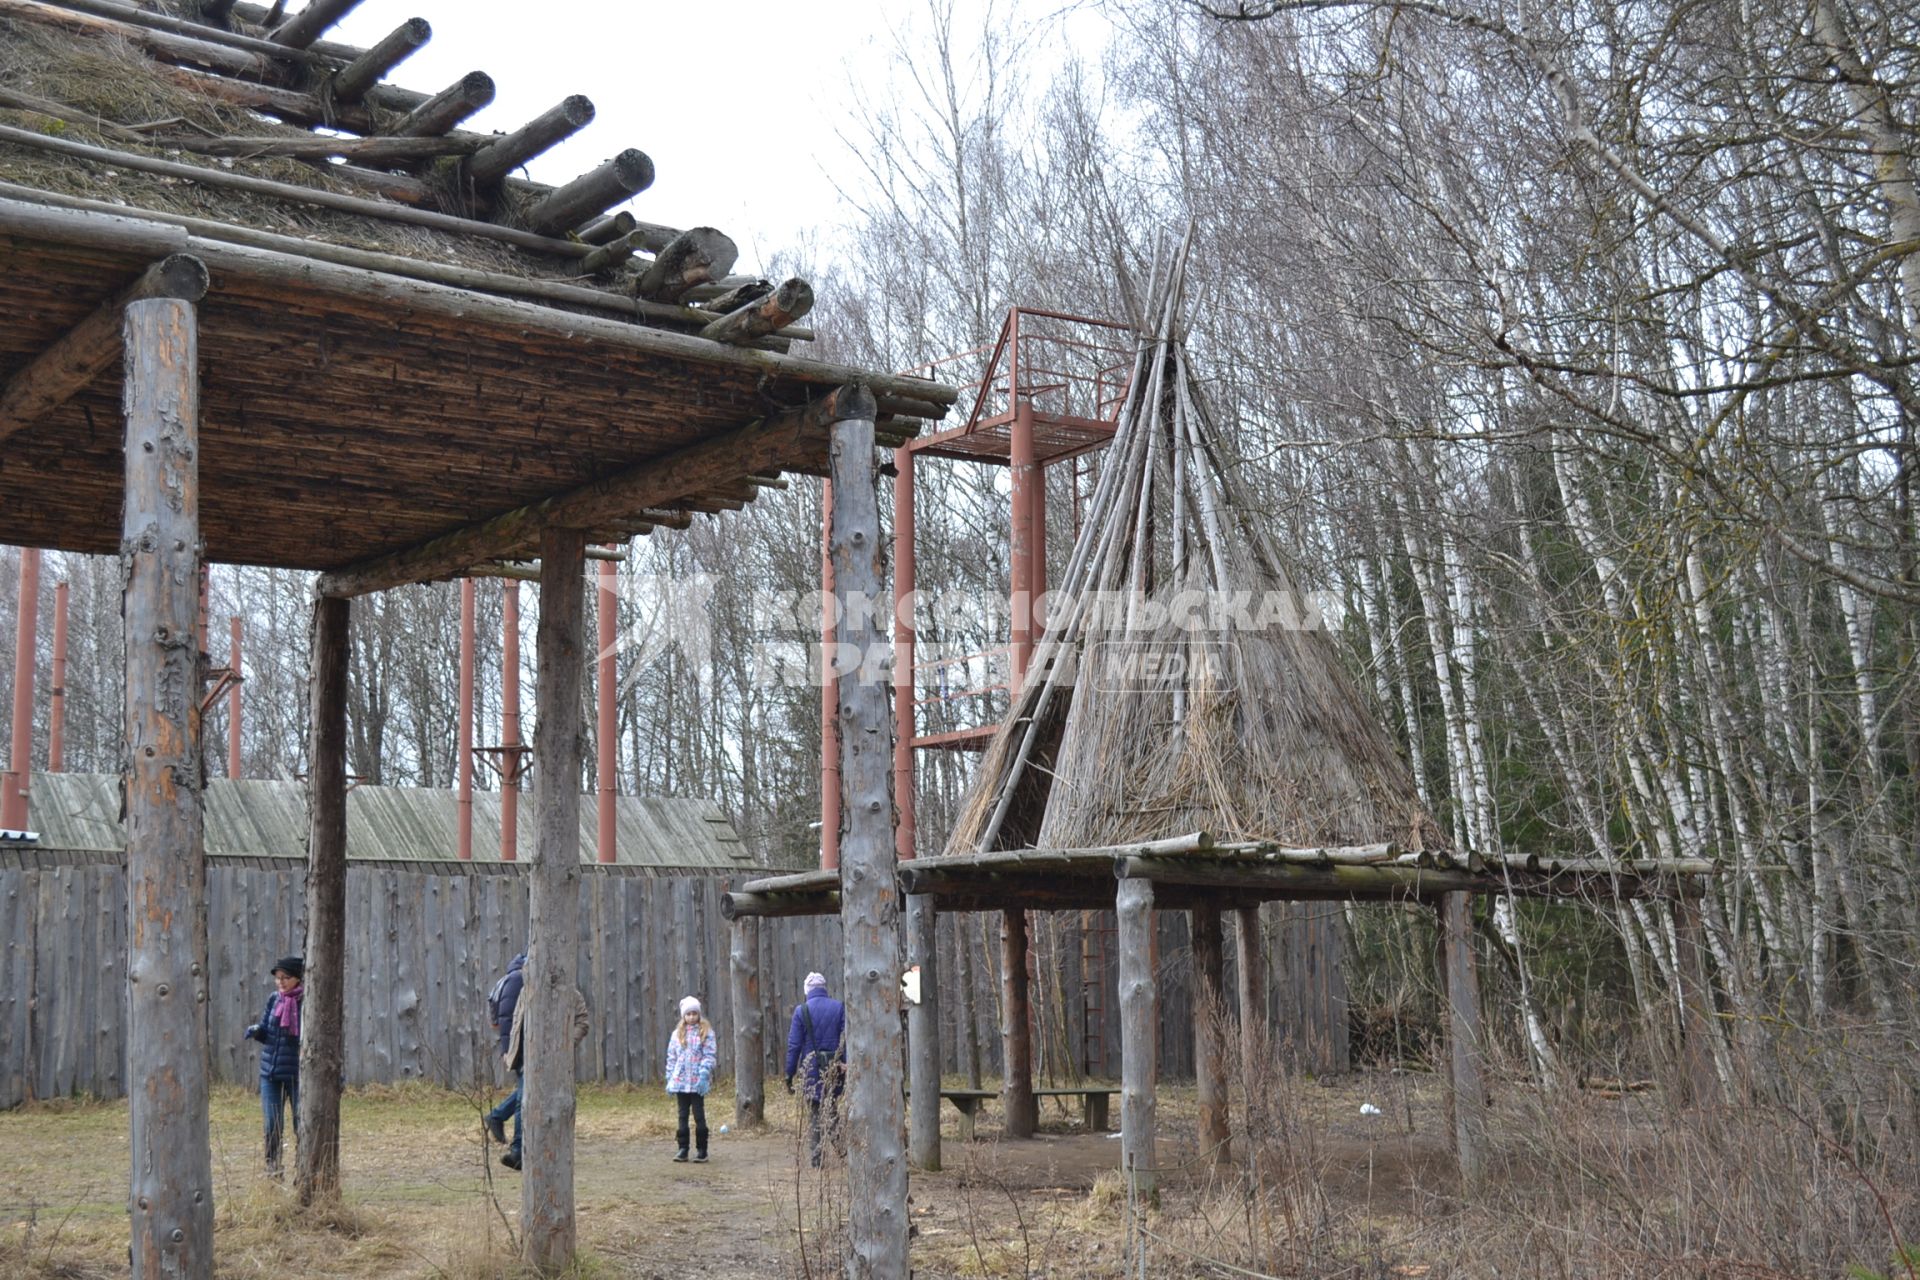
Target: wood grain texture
[
  {"x": 1139, "y": 1061},
  {"x": 322, "y": 1043}
]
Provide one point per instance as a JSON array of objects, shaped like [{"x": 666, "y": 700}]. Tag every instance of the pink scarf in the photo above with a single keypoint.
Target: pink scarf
[{"x": 286, "y": 1010}]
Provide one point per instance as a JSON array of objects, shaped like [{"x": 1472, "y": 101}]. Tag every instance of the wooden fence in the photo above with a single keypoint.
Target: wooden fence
[{"x": 425, "y": 945}]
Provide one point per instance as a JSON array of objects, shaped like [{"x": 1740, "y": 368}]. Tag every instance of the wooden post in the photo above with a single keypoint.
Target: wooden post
[
  {"x": 1463, "y": 1036},
  {"x": 606, "y": 722},
  {"x": 1016, "y": 1029},
  {"x": 829, "y": 694},
  {"x": 869, "y": 888},
  {"x": 968, "y": 1012},
  {"x": 463, "y": 746},
  {"x": 547, "y": 1102},
  {"x": 16, "y": 785},
  {"x": 1209, "y": 1045},
  {"x": 171, "y": 1196},
  {"x": 1700, "y": 1084},
  {"x": 510, "y": 761},
  {"x": 1250, "y": 975},
  {"x": 57, "y": 694},
  {"x": 923, "y": 1033},
  {"x": 749, "y": 1026},
  {"x": 1139, "y": 1018},
  {"x": 235, "y": 765},
  {"x": 323, "y": 1046}
]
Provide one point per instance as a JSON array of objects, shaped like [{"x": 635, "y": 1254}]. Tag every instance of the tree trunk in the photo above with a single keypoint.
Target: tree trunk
[
  {"x": 869, "y": 889},
  {"x": 1016, "y": 1032},
  {"x": 1139, "y": 1022},
  {"x": 923, "y": 1034},
  {"x": 547, "y": 1103},
  {"x": 323, "y": 1049},
  {"x": 171, "y": 1197},
  {"x": 749, "y": 1027},
  {"x": 1464, "y": 1037}
]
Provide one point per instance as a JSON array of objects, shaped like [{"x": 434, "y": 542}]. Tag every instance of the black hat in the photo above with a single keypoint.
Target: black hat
[{"x": 293, "y": 966}]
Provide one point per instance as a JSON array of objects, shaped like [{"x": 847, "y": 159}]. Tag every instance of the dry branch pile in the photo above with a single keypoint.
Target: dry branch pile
[{"x": 1184, "y": 683}]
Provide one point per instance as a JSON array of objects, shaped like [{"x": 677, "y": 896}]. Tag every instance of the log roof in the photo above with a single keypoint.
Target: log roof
[{"x": 396, "y": 344}]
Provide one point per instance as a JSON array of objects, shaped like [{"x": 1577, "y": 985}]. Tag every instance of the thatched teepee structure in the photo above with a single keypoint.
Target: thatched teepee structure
[{"x": 1184, "y": 683}]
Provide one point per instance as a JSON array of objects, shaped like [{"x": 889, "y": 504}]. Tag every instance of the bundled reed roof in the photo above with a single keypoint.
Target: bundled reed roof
[{"x": 1184, "y": 683}]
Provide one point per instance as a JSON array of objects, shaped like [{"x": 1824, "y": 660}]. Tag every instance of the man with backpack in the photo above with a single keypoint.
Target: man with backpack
[
  {"x": 816, "y": 1042},
  {"x": 501, "y": 1003}
]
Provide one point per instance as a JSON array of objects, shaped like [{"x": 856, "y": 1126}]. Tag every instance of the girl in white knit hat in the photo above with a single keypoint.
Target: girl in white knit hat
[{"x": 692, "y": 1050}]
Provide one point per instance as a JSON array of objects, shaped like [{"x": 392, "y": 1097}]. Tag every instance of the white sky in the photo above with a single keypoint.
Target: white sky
[{"x": 736, "y": 101}]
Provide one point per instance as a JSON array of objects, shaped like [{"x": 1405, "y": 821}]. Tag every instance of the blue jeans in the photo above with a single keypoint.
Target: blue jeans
[
  {"x": 510, "y": 1106},
  {"x": 273, "y": 1095}
]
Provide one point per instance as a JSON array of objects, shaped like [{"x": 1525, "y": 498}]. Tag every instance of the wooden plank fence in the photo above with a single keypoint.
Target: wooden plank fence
[{"x": 425, "y": 945}]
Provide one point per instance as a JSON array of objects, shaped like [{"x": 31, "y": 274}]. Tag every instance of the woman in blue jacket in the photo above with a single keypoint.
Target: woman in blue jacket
[{"x": 279, "y": 1031}]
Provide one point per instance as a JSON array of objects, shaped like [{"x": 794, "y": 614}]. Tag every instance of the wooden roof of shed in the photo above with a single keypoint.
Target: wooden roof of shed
[
  {"x": 78, "y": 814},
  {"x": 368, "y": 385}
]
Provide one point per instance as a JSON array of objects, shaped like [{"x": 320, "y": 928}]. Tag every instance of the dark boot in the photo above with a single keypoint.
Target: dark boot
[{"x": 680, "y": 1156}]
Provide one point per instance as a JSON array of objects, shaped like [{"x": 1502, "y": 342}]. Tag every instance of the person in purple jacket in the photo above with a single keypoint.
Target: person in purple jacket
[
  {"x": 816, "y": 1043},
  {"x": 278, "y": 1031}
]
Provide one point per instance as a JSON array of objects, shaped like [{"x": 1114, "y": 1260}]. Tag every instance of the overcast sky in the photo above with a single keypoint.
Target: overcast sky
[{"x": 736, "y": 101}]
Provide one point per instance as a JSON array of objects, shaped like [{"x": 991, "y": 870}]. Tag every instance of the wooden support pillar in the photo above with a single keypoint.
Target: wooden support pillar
[
  {"x": 829, "y": 694},
  {"x": 606, "y": 721},
  {"x": 1464, "y": 1040},
  {"x": 57, "y": 695},
  {"x": 510, "y": 761},
  {"x": 1016, "y": 1029},
  {"x": 1250, "y": 976},
  {"x": 1139, "y": 1021},
  {"x": 171, "y": 1196},
  {"x": 1700, "y": 1084},
  {"x": 234, "y": 762},
  {"x": 16, "y": 785},
  {"x": 923, "y": 1033},
  {"x": 905, "y": 726},
  {"x": 749, "y": 1025},
  {"x": 869, "y": 885},
  {"x": 463, "y": 749},
  {"x": 323, "y": 1046},
  {"x": 1209, "y": 1042},
  {"x": 967, "y": 1013},
  {"x": 547, "y": 1100}
]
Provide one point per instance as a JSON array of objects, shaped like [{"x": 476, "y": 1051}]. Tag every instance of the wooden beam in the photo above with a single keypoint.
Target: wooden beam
[
  {"x": 1016, "y": 1026},
  {"x": 695, "y": 257},
  {"x": 1465, "y": 1060},
  {"x": 776, "y": 310},
  {"x": 592, "y": 194},
  {"x": 323, "y": 1049},
  {"x": 492, "y": 163},
  {"x": 171, "y": 1200},
  {"x": 923, "y": 1035},
  {"x": 764, "y": 445},
  {"x": 312, "y": 22},
  {"x": 91, "y": 347},
  {"x": 1209, "y": 1044},
  {"x": 870, "y": 897},
  {"x": 351, "y": 82},
  {"x": 1139, "y": 1060},
  {"x": 615, "y": 226},
  {"x": 447, "y": 108},
  {"x": 741, "y": 904},
  {"x": 749, "y": 1025},
  {"x": 364, "y": 150},
  {"x": 547, "y": 1100}
]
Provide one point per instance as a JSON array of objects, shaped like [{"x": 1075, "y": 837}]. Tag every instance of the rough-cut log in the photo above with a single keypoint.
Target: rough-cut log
[
  {"x": 615, "y": 226},
  {"x": 312, "y": 22},
  {"x": 749, "y": 1025},
  {"x": 323, "y": 1047},
  {"x": 91, "y": 347},
  {"x": 610, "y": 255},
  {"x": 351, "y": 82},
  {"x": 756, "y": 448},
  {"x": 870, "y": 897},
  {"x": 1016, "y": 1027},
  {"x": 1464, "y": 1058},
  {"x": 1209, "y": 1045},
  {"x": 171, "y": 1198},
  {"x": 221, "y": 178},
  {"x": 364, "y": 150},
  {"x": 742, "y": 905},
  {"x": 1250, "y": 976},
  {"x": 592, "y": 194},
  {"x": 735, "y": 296},
  {"x": 1139, "y": 1015},
  {"x": 923, "y": 1036},
  {"x": 695, "y": 257},
  {"x": 447, "y": 108},
  {"x": 547, "y": 1106},
  {"x": 492, "y": 163},
  {"x": 777, "y": 310}
]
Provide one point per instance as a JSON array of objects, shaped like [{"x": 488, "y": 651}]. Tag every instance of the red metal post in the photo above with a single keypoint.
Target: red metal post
[
  {"x": 607, "y": 607},
  {"x": 57, "y": 709},
  {"x": 1025, "y": 471},
  {"x": 18, "y": 781},
  {"x": 463, "y": 752},
  {"x": 510, "y": 720},
  {"x": 233, "y": 698},
  {"x": 903, "y": 649},
  {"x": 829, "y": 698}
]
